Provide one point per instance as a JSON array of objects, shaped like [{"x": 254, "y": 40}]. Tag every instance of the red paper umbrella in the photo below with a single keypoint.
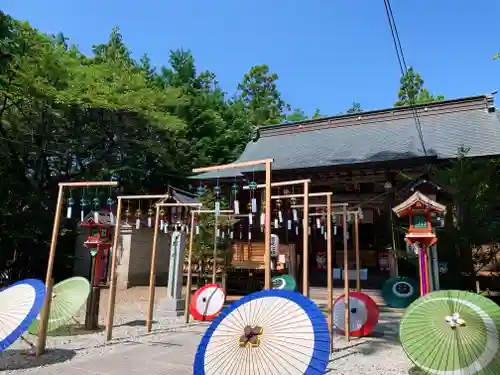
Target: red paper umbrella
[
  {"x": 207, "y": 302},
  {"x": 363, "y": 314}
]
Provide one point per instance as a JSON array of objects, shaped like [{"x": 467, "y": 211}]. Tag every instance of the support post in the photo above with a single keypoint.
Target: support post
[
  {"x": 305, "y": 243},
  {"x": 42, "y": 334},
  {"x": 214, "y": 270},
  {"x": 329, "y": 263},
  {"x": 152, "y": 274},
  {"x": 356, "y": 244},
  {"x": 114, "y": 279},
  {"x": 189, "y": 280},
  {"x": 347, "y": 311},
  {"x": 267, "y": 224}
]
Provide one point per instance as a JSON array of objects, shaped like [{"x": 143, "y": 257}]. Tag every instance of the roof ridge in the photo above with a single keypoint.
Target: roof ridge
[{"x": 381, "y": 115}]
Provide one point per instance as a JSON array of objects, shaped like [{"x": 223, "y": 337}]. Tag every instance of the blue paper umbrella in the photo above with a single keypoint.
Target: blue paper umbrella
[
  {"x": 20, "y": 303},
  {"x": 267, "y": 332}
]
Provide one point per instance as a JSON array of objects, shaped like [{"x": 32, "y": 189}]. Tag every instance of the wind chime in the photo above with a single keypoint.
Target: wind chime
[
  {"x": 252, "y": 207},
  {"x": 236, "y": 203},
  {"x": 69, "y": 209},
  {"x": 150, "y": 214},
  {"x": 110, "y": 202},
  {"x": 278, "y": 218},
  {"x": 127, "y": 212},
  {"x": 84, "y": 203}
]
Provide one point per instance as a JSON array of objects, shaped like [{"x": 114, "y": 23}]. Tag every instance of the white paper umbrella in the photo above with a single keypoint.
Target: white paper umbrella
[
  {"x": 20, "y": 303},
  {"x": 207, "y": 302},
  {"x": 270, "y": 332},
  {"x": 363, "y": 314}
]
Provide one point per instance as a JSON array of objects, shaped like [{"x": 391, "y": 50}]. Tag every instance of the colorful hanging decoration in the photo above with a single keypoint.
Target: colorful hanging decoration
[
  {"x": 138, "y": 215},
  {"x": 127, "y": 212},
  {"x": 217, "y": 199},
  {"x": 83, "y": 203},
  {"x": 236, "y": 203},
  {"x": 150, "y": 215},
  {"x": 111, "y": 202},
  {"x": 96, "y": 205},
  {"x": 69, "y": 209}
]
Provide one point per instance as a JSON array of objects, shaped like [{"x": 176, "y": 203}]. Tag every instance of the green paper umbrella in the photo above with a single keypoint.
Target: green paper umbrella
[
  {"x": 284, "y": 282},
  {"x": 452, "y": 332},
  {"x": 68, "y": 297},
  {"x": 399, "y": 292}
]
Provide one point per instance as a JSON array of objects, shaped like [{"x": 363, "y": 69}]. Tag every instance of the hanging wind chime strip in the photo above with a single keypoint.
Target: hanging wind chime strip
[
  {"x": 83, "y": 204},
  {"x": 96, "y": 206},
  {"x": 69, "y": 209}
]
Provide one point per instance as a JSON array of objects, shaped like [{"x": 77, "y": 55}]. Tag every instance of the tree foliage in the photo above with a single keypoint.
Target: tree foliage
[{"x": 412, "y": 90}]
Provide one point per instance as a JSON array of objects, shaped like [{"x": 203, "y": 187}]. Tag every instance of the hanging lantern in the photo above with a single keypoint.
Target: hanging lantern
[{"x": 69, "y": 210}]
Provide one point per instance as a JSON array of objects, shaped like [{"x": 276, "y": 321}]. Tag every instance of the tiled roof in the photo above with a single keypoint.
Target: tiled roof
[{"x": 377, "y": 136}]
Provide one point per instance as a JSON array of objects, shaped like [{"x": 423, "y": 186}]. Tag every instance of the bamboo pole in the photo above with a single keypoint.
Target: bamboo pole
[
  {"x": 356, "y": 244},
  {"x": 347, "y": 311},
  {"x": 113, "y": 276},
  {"x": 267, "y": 224},
  {"x": 281, "y": 184},
  {"x": 329, "y": 263},
  {"x": 305, "y": 243},
  {"x": 189, "y": 280},
  {"x": 44, "y": 316},
  {"x": 152, "y": 274},
  {"x": 222, "y": 167}
]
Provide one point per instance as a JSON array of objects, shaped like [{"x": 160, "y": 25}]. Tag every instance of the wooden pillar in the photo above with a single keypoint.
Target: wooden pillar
[
  {"x": 329, "y": 265},
  {"x": 305, "y": 243},
  {"x": 152, "y": 274}
]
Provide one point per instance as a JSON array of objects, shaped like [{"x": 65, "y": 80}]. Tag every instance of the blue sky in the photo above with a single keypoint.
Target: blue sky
[{"x": 327, "y": 53}]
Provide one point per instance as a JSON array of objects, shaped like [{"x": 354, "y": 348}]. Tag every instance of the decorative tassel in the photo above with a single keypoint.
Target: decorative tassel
[
  {"x": 289, "y": 224},
  {"x": 295, "y": 215},
  {"x": 254, "y": 205},
  {"x": 236, "y": 207}
]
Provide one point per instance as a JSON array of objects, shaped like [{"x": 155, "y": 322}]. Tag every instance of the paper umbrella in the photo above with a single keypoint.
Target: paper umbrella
[
  {"x": 452, "y": 332},
  {"x": 267, "y": 332},
  {"x": 363, "y": 314},
  {"x": 68, "y": 297},
  {"x": 20, "y": 303},
  {"x": 207, "y": 302}
]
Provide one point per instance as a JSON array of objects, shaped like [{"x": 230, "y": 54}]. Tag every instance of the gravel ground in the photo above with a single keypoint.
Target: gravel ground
[{"x": 381, "y": 354}]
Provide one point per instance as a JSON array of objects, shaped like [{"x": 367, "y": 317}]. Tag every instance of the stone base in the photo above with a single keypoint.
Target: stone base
[{"x": 173, "y": 308}]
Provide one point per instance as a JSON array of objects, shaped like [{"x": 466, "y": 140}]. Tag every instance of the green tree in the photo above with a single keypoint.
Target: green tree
[
  {"x": 472, "y": 220},
  {"x": 296, "y": 115},
  {"x": 260, "y": 94},
  {"x": 355, "y": 108},
  {"x": 412, "y": 90},
  {"x": 317, "y": 114}
]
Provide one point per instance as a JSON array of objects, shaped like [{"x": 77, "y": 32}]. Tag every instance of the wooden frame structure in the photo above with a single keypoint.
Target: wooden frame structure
[
  {"x": 305, "y": 225},
  {"x": 267, "y": 238},
  {"x": 189, "y": 281},
  {"x": 112, "y": 286},
  {"x": 152, "y": 270},
  {"x": 44, "y": 314}
]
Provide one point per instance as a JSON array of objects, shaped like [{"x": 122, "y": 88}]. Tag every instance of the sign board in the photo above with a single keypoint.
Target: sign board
[{"x": 275, "y": 245}]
